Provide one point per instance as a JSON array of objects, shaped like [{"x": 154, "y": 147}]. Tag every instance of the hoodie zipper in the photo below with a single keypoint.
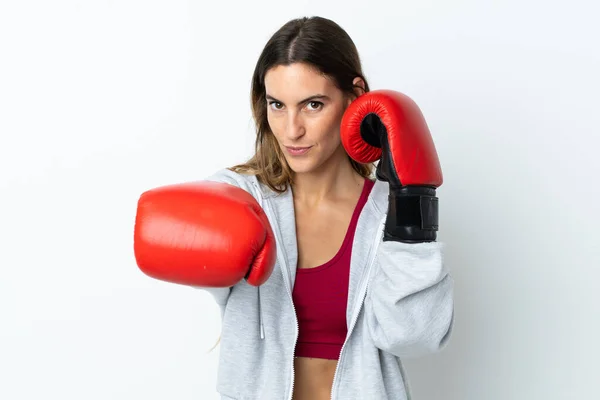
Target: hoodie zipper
[
  {"x": 361, "y": 297},
  {"x": 283, "y": 261}
]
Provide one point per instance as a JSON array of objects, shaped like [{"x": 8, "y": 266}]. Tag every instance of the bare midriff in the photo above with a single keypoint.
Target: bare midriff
[{"x": 313, "y": 378}]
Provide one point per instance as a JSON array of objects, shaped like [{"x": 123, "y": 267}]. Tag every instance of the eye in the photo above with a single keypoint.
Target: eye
[
  {"x": 315, "y": 105},
  {"x": 275, "y": 105}
]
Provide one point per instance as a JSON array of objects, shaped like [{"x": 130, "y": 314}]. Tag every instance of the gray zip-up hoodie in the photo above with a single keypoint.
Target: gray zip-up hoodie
[{"x": 400, "y": 304}]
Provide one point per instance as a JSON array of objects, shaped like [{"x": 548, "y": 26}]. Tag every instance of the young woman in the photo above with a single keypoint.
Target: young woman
[{"x": 326, "y": 276}]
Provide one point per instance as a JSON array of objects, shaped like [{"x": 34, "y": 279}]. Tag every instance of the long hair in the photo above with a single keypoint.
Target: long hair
[{"x": 320, "y": 43}]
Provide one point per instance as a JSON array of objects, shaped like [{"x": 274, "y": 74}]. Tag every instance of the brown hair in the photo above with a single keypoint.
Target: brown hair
[{"x": 315, "y": 41}]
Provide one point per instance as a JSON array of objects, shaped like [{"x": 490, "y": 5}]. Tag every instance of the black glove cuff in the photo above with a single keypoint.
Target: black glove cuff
[{"x": 412, "y": 215}]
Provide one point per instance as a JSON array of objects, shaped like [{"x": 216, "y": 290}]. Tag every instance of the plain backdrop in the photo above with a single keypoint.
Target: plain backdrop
[{"x": 101, "y": 100}]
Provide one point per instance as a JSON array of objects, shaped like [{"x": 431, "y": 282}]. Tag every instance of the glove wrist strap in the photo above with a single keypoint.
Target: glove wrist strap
[{"x": 412, "y": 215}]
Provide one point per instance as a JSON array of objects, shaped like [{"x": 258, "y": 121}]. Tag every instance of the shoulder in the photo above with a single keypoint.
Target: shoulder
[
  {"x": 226, "y": 175},
  {"x": 246, "y": 181}
]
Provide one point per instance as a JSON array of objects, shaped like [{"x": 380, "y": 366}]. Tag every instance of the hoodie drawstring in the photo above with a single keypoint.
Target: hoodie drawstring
[{"x": 260, "y": 317}]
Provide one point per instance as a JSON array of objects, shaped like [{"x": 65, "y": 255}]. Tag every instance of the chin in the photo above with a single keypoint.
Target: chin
[{"x": 303, "y": 166}]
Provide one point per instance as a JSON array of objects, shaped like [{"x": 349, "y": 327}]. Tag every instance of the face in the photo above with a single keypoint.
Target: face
[{"x": 304, "y": 111}]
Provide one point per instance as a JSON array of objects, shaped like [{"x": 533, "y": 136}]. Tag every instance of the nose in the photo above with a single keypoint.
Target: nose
[{"x": 295, "y": 127}]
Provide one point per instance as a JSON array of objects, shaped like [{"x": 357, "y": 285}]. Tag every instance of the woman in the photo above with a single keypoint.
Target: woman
[{"x": 319, "y": 299}]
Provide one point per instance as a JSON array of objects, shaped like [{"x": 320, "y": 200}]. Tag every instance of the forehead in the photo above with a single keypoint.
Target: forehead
[{"x": 297, "y": 81}]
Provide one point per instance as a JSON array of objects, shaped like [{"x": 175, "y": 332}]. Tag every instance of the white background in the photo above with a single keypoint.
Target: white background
[{"x": 101, "y": 100}]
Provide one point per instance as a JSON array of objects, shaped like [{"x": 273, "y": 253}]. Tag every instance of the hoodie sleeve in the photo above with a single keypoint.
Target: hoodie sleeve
[{"x": 409, "y": 305}]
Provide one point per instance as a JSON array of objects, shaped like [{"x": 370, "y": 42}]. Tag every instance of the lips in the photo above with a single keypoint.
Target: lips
[{"x": 297, "y": 151}]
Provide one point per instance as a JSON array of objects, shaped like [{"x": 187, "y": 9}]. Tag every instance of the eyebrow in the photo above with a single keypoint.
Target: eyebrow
[{"x": 310, "y": 98}]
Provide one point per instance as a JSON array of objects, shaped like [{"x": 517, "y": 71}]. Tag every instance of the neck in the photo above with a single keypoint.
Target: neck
[{"x": 331, "y": 181}]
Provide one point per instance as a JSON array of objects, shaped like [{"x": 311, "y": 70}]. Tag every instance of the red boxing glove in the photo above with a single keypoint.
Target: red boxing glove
[
  {"x": 388, "y": 125},
  {"x": 206, "y": 234}
]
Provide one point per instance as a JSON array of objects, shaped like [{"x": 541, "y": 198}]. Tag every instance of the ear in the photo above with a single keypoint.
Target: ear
[{"x": 359, "y": 88}]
